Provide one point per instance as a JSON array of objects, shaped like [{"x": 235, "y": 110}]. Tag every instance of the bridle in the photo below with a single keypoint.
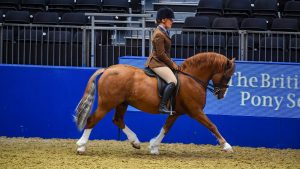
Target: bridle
[{"x": 213, "y": 88}]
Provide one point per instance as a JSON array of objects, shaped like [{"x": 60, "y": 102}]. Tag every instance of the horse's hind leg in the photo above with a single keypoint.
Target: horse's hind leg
[
  {"x": 100, "y": 112},
  {"x": 118, "y": 120}
]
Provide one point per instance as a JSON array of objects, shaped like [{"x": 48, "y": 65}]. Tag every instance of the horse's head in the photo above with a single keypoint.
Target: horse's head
[{"x": 221, "y": 79}]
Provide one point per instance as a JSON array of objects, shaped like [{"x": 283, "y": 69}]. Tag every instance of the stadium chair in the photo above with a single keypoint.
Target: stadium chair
[
  {"x": 73, "y": 19},
  {"x": 265, "y": 9},
  {"x": 238, "y": 8},
  {"x": 285, "y": 24},
  {"x": 233, "y": 47},
  {"x": 87, "y": 6},
  {"x": 225, "y": 23},
  {"x": 184, "y": 45},
  {"x": 33, "y": 5},
  {"x": 136, "y": 6},
  {"x": 115, "y": 6},
  {"x": 8, "y": 46},
  {"x": 48, "y": 18},
  {"x": 58, "y": 37},
  {"x": 258, "y": 24},
  {"x": 31, "y": 35},
  {"x": 60, "y": 6},
  {"x": 1, "y": 16},
  {"x": 281, "y": 4},
  {"x": 30, "y": 46},
  {"x": 57, "y": 49},
  {"x": 273, "y": 49},
  {"x": 210, "y": 8},
  {"x": 212, "y": 43},
  {"x": 198, "y": 22},
  {"x": 76, "y": 59},
  {"x": 294, "y": 50},
  {"x": 22, "y": 17},
  {"x": 7, "y": 5},
  {"x": 292, "y": 10},
  {"x": 254, "y": 24}
]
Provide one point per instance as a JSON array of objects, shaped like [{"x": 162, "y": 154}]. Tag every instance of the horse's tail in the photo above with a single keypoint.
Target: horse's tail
[{"x": 83, "y": 108}]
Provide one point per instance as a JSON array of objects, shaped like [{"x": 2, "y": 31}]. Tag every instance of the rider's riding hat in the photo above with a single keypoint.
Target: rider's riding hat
[{"x": 164, "y": 13}]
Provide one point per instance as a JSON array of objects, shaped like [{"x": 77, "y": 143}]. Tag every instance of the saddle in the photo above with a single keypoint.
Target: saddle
[{"x": 161, "y": 84}]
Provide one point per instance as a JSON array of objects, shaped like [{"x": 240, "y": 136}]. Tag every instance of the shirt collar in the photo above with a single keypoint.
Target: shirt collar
[{"x": 163, "y": 28}]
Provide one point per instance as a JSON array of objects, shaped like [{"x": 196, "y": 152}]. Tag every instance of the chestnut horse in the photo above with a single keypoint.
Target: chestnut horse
[{"x": 123, "y": 85}]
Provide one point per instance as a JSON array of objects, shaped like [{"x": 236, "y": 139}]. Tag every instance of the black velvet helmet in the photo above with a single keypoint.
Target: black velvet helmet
[{"x": 164, "y": 13}]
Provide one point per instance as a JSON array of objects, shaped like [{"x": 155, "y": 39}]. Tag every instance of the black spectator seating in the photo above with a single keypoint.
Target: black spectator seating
[
  {"x": 253, "y": 39},
  {"x": 87, "y": 6},
  {"x": 22, "y": 17},
  {"x": 285, "y": 24},
  {"x": 292, "y": 10},
  {"x": 272, "y": 49},
  {"x": 33, "y": 5},
  {"x": 48, "y": 18},
  {"x": 60, "y": 6},
  {"x": 225, "y": 23},
  {"x": 210, "y": 8},
  {"x": 115, "y": 6},
  {"x": 238, "y": 8},
  {"x": 58, "y": 47},
  {"x": 72, "y": 18},
  {"x": 198, "y": 22},
  {"x": 30, "y": 46},
  {"x": 6, "y": 5},
  {"x": 266, "y": 9},
  {"x": 212, "y": 43},
  {"x": 136, "y": 6},
  {"x": 294, "y": 50},
  {"x": 184, "y": 45}
]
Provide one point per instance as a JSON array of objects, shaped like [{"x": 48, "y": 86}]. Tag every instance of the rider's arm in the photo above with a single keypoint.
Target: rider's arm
[{"x": 160, "y": 52}]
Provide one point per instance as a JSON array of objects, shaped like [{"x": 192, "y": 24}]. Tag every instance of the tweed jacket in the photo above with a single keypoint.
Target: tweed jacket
[{"x": 160, "y": 55}]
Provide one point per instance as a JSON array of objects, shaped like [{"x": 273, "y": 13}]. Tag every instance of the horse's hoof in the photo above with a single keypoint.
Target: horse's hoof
[
  {"x": 227, "y": 148},
  {"x": 135, "y": 144},
  {"x": 154, "y": 149},
  {"x": 154, "y": 152},
  {"x": 81, "y": 150},
  {"x": 80, "y": 143}
]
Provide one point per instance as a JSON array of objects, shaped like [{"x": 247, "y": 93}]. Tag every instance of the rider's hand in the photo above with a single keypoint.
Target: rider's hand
[{"x": 177, "y": 68}]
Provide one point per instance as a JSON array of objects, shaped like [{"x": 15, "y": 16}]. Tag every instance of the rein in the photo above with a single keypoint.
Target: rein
[{"x": 210, "y": 87}]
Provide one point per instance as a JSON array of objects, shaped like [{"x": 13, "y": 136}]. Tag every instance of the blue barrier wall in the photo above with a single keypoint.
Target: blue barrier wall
[{"x": 39, "y": 102}]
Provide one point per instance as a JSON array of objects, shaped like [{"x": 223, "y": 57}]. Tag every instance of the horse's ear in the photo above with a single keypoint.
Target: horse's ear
[{"x": 233, "y": 63}]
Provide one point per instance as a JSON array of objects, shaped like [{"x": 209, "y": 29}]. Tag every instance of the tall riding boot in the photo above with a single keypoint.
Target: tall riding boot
[{"x": 168, "y": 91}]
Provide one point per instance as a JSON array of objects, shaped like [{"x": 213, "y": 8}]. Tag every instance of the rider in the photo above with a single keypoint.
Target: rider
[{"x": 159, "y": 60}]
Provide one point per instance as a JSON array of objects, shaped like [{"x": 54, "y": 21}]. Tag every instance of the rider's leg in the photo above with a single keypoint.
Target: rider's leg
[{"x": 166, "y": 74}]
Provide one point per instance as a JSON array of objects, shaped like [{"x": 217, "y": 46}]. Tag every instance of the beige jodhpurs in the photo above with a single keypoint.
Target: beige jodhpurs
[{"x": 166, "y": 74}]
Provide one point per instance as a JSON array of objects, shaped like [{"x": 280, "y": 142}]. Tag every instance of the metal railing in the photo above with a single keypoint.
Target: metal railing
[
  {"x": 240, "y": 44},
  {"x": 101, "y": 46}
]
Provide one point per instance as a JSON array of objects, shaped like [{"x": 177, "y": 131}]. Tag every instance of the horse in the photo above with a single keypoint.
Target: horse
[{"x": 122, "y": 85}]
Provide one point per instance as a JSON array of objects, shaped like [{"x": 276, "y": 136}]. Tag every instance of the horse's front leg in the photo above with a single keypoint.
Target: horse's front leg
[
  {"x": 155, "y": 142},
  {"x": 203, "y": 119}
]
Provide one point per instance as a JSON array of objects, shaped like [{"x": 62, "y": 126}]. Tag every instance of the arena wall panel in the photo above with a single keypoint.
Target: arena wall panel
[{"x": 37, "y": 101}]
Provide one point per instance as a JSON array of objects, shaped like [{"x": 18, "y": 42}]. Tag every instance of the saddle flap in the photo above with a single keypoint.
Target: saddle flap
[{"x": 161, "y": 84}]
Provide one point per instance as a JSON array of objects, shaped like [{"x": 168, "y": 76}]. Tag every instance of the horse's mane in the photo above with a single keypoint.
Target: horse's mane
[{"x": 207, "y": 58}]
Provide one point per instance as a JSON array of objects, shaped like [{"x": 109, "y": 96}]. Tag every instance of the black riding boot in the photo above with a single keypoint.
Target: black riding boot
[{"x": 166, "y": 96}]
